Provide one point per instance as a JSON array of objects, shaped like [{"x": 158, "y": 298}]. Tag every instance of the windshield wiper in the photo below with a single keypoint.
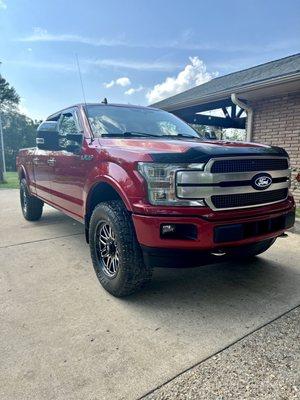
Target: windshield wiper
[
  {"x": 180, "y": 135},
  {"x": 134, "y": 133},
  {"x": 146, "y": 134},
  {"x": 129, "y": 134}
]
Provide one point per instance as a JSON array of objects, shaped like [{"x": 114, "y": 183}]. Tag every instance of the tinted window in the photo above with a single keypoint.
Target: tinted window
[{"x": 115, "y": 120}]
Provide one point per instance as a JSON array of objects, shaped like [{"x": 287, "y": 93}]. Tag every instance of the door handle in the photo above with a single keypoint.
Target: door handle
[
  {"x": 51, "y": 161},
  {"x": 35, "y": 160}
]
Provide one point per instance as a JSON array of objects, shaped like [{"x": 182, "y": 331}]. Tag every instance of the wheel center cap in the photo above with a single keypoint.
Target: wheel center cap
[{"x": 111, "y": 248}]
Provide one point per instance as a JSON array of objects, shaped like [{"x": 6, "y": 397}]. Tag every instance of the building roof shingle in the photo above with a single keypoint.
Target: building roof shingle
[{"x": 258, "y": 74}]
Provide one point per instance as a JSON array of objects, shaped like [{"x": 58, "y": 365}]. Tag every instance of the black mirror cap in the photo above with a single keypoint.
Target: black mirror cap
[
  {"x": 47, "y": 136},
  {"x": 48, "y": 126}
]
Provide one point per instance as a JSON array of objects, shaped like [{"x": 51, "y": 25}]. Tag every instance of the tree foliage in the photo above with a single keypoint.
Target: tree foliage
[
  {"x": 8, "y": 96},
  {"x": 18, "y": 130}
]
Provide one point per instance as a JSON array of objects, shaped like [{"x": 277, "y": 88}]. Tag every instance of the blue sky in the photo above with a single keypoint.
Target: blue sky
[{"x": 135, "y": 51}]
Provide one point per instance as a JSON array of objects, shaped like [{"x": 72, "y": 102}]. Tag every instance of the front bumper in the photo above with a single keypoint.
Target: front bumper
[{"x": 213, "y": 233}]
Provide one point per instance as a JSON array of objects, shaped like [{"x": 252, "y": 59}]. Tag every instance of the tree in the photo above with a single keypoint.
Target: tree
[
  {"x": 8, "y": 96},
  {"x": 19, "y": 131},
  {"x": 201, "y": 129},
  {"x": 9, "y": 99}
]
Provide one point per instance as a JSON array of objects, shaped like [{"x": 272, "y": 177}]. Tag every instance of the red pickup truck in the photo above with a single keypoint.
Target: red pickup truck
[{"x": 151, "y": 192}]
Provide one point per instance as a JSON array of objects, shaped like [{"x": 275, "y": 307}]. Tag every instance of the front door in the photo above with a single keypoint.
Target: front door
[{"x": 69, "y": 174}]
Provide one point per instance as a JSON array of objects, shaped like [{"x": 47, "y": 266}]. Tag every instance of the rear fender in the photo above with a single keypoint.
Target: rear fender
[{"x": 22, "y": 173}]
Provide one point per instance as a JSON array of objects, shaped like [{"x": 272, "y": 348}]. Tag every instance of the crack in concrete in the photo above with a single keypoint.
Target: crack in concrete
[
  {"x": 39, "y": 240},
  {"x": 218, "y": 352}
]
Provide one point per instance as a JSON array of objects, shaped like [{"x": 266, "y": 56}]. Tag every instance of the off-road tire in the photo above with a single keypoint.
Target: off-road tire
[
  {"x": 132, "y": 273},
  {"x": 32, "y": 207},
  {"x": 251, "y": 250}
]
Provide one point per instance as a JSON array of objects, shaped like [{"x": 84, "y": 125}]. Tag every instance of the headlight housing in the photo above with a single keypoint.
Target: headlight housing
[{"x": 161, "y": 183}]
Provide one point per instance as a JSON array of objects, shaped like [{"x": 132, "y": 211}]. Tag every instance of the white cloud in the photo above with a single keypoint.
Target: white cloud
[
  {"x": 192, "y": 75},
  {"x": 132, "y": 91},
  {"x": 3, "y": 5},
  {"x": 123, "y": 81},
  {"x": 135, "y": 64},
  {"x": 109, "y": 84},
  {"x": 185, "y": 40},
  {"x": 53, "y": 66},
  {"x": 42, "y": 35}
]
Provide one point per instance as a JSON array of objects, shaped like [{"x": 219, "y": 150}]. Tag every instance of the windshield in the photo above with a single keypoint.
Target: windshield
[{"x": 133, "y": 121}]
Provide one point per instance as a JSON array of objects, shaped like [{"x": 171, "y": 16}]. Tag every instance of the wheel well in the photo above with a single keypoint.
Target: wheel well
[
  {"x": 21, "y": 174},
  {"x": 100, "y": 193}
]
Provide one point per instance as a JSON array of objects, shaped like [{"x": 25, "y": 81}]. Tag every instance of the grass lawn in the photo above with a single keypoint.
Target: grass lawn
[
  {"x": 11, "y": 181},
  {"x": 298, "y": 212}
]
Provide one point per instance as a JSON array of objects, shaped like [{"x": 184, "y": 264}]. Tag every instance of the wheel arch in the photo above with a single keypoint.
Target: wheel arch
[
  {"x": 22, "y": 173},
  {"x": 102, "y": 191}
]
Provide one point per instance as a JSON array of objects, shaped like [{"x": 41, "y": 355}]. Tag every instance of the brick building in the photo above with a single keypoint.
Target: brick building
[
  {"x": 263, "y": 100},
  {"x": 276, "y": 121}
]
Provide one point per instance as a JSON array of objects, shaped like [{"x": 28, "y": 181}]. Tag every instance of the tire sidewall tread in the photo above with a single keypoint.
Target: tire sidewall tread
[
  {"x": 34, "y": 206},
  {"x": 133, "y": 273}
]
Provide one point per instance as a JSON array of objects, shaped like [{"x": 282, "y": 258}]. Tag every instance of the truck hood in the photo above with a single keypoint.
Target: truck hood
[{"x": 187, "y": 151}]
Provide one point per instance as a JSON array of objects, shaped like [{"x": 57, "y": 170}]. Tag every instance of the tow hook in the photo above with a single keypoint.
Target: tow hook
[{"x": 218, "y": 253}]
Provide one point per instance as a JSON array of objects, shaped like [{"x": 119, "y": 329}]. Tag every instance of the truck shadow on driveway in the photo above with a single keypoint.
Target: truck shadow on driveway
[
  {"x": 260, "y": 285},
  {"x": 257, "y": 284}
]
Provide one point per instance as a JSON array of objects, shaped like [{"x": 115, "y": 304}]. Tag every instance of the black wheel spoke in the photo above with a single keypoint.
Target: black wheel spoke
[{"x": 108, "y": 253}]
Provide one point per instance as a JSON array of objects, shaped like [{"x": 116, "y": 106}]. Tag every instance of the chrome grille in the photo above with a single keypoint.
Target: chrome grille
[
  {"x": 234, "y": 190},
  {"x": 252, "y": 164},
  {"x": 248, "y": 199}
]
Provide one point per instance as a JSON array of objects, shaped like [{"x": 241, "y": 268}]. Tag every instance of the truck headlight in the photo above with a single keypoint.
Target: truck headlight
[{"x": 161, "y": 183}]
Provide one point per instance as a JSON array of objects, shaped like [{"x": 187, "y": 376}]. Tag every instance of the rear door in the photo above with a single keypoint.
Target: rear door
[{"x": 69, "y": 172}]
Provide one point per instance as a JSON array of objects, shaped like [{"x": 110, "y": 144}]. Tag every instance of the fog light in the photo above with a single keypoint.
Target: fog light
[{"x": 170, "y": 228}]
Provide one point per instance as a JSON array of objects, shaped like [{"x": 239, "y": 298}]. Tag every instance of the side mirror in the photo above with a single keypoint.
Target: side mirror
[
  {"x": 47, "y": 136},
  {"x": 71, "y": 142}
]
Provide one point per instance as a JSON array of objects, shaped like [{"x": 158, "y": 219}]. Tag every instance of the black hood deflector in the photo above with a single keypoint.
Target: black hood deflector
[{"x": 204, "y": 153}]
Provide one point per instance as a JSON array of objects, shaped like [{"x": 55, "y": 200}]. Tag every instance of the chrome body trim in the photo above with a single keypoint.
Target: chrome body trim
[
  {"x": 196, "y": 192},
  {"x": 189, "y": 183}
]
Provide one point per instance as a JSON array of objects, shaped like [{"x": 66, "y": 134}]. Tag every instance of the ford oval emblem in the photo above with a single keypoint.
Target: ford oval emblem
[{"x": 261, "y": 181}]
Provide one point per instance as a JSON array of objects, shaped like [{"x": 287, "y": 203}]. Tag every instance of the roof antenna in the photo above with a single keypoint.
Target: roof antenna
[
  {"x": 80, "y": 77},
  {"x": 83, "y": 94},
  {"x": 104, "y": 101}
]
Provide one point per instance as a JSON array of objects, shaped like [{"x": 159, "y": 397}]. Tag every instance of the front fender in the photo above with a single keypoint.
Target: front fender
[{"x": 127, "y": 183}]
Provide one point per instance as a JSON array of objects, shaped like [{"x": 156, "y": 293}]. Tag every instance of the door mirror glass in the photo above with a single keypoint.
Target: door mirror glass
[
  {"x": 69, "y": 137},
  {"x": 47, "y": 136}
]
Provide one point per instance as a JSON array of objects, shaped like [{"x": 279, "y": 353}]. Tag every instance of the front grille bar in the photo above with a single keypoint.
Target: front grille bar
[{"x": 195, "y": 184}]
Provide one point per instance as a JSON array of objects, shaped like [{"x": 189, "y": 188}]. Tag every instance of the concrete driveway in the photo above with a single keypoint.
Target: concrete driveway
[{"x": 63, "y": 337}]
